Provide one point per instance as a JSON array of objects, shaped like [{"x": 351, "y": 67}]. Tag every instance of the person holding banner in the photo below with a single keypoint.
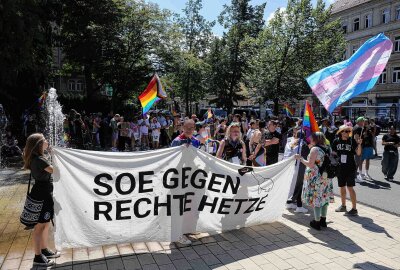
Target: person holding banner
[
  {"x": 42, "y": 194},
  {"x": 187, "y": 135},
  {"x": 233, "y": 148},
  {"x": 186, "y": 138},
  {"x": 317, "y": 188}
]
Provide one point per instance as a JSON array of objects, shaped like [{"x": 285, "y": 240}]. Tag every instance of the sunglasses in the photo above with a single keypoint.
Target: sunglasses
[{"x": 346, "y": 131}]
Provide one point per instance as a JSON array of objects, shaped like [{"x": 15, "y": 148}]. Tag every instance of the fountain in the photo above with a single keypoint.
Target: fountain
[{"x": 54, "y": 119}]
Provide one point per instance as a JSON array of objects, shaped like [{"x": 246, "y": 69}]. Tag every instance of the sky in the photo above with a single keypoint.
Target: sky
[{"x": 212, "y": 8}]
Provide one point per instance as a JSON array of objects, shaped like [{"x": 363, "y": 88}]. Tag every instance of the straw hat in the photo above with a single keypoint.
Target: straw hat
[{"x": 343, "y": 128}]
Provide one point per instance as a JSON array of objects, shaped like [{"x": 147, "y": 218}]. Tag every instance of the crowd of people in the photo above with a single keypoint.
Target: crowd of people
[{"x": 338, "y": 150}]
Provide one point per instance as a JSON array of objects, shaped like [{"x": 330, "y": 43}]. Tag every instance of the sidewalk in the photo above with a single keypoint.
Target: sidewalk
[{"x": 371, "y": 241}]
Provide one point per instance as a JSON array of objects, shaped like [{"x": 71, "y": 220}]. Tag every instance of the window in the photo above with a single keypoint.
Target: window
[
  {"x": 398, "y": 13},
  {"x": 397, "y": 44},
  {"x": 368, "y": 21},
  {"x": 396, "y": 75},
  {"x": 344, "y": 27},
  {"x": 356, "y": 24},
  {"x": 382, "y": 78},
  {"x": 385, "y": 15},
  {"x": 71, "y": 85},
  {"x": 79, "y": 85}
]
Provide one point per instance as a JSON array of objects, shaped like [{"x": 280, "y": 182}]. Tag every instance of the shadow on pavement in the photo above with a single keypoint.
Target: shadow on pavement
[
  {"x": 330, "y": 237},
  {"x": 368, "y": 224},
  {"x": 370, "y": 265},
  {"x": 375, "y": 184},
  {"x": 206, "y": 252},
  {"x": 395, "y": 182}
]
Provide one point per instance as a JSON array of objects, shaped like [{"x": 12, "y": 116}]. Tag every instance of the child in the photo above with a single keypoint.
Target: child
[
  {"x": 42, "y": 190},
  {"x": 144, "y": 132},
  {"x": 134, "y": 127},
  {"x": 155, "y": 133}
]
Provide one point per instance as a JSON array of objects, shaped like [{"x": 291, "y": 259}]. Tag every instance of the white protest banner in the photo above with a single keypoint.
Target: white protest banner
[{"x": 108, "y": 198}]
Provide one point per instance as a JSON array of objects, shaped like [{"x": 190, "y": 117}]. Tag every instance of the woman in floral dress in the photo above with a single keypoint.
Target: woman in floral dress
[{"x": 317, "y": 188}]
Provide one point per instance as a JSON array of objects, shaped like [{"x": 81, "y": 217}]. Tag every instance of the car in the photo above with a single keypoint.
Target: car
[{"x": 249, "y": 112}]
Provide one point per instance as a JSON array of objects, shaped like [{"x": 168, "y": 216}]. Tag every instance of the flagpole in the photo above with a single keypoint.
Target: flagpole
[{"x": 301, "y": 132}]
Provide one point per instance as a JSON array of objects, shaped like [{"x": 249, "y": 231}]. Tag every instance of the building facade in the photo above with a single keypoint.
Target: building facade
[
  {"x": 361, "y": 20},
  {"x": 70, "y": 86}
]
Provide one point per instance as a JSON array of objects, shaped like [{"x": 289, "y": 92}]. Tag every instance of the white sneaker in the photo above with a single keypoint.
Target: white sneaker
[
  {"x": 367, "y": 176},
  {"x": 301, "y": 210},
  {"x": 291, "y": 206},
  {"x": 359, "y": 178},
  {"x": 184, "y": 240}
]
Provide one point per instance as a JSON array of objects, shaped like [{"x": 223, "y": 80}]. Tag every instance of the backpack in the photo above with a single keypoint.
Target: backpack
[{"x": 329, "y": 165}]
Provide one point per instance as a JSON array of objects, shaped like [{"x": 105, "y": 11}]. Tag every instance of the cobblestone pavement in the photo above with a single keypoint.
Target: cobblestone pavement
[{"x": 370, "y": 241}]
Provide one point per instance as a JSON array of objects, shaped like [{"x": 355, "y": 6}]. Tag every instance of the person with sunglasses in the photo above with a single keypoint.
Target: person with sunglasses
[{"x": 345, "y": 148}]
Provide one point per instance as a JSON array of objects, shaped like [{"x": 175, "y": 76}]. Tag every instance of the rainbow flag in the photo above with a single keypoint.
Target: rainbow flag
[
  {"x": 153, "y": 93},
  {"x": 340, "y": 82},
  {"x": 309, "y": 124},
  {"x": 42, "y": 99},
  {"x": 288, "y": 111}
]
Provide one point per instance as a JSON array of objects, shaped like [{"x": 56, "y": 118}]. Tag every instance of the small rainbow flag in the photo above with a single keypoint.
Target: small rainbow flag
[
  {"x": 289, "y": 111},
  {"x": 309, "y": 124},
  {"x": 42, "y": 99},
  {"x": 153, "y": 93}
]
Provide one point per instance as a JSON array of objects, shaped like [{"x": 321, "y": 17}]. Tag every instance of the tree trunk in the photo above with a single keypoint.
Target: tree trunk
[
  {"x": 89, "y": 83},
  {"x": 276, "y": 106}
]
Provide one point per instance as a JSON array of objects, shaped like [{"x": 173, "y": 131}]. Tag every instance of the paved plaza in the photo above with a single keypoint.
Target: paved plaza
[{"x": 370, "y": 241}]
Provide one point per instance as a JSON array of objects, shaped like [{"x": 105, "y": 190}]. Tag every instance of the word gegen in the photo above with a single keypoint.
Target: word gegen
[{"x": 126, "y": 183}]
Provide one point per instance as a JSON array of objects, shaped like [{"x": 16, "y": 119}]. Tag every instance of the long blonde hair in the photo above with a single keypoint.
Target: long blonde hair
[
  {"x": 33, "y": 146},
  {"x": 228, "y": 130}
]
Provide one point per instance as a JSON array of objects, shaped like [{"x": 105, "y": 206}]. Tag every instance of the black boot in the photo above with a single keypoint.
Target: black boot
[
  {"x": 316, "y": 225},
  {"x": 323, "y": 222}
]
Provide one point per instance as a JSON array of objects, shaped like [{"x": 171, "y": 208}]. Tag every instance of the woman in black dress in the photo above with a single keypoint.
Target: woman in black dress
[{"x": 42, "y": 190}]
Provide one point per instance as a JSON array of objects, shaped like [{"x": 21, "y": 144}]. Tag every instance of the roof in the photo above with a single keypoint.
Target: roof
[{"x": 340, "y": 5}]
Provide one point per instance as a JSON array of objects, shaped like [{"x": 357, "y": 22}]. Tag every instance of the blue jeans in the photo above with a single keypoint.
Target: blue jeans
[{"x": 389, "y": 163}]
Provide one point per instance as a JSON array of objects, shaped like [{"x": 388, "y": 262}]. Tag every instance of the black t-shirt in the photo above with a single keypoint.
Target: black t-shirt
[
  {"x": 346, "y": 150},
  {"x": 38, "y": 164},
  {"x": 271, "y": 150},
  {"x": 367, "y": 138},
  {"x": 391, "y": 138}
]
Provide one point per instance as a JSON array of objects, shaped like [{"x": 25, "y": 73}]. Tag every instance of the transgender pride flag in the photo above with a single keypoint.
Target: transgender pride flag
[{"x": 340, "y": 82}]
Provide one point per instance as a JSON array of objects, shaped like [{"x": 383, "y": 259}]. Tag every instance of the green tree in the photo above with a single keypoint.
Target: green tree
[
  {"x": 26, "y": 39},
  {"x": 297, "y": 41},
  {"x": 90, "y": 32},
  {"x": 144, "y": 46},
  {"x": 191, "y": 66},
  {"x": 242, "y": 20}
]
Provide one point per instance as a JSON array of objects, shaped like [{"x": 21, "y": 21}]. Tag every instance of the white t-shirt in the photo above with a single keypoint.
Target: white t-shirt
[
  {"x": 144, "y": 126},
  {"x": 155, "y": 133},
  {"x": 155, "y": 128}
]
